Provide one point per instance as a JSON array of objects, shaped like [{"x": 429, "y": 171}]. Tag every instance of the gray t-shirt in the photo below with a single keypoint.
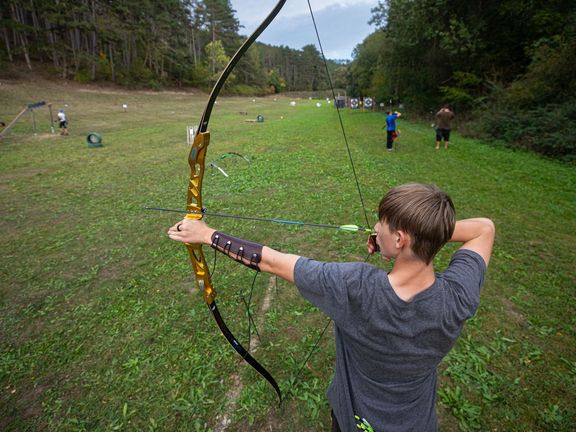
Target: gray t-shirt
[{"x": 387, "y": 350}]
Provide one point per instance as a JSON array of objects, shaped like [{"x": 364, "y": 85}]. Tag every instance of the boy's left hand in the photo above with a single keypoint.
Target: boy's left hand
[{"x": 193, "y": 231}]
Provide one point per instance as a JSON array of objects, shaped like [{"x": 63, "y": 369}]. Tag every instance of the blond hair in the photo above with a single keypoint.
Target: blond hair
[{"x": 424, "y": 212}]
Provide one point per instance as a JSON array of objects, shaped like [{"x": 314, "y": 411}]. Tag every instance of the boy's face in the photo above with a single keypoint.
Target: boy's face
[{"x": 386, "y": 240}]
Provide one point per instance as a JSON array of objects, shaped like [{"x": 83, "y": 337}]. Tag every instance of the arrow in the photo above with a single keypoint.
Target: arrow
[{"x": 280, "y": 221}]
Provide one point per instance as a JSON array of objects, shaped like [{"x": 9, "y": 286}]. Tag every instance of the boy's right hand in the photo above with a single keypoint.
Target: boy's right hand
[{"x": 372, "y": 245}]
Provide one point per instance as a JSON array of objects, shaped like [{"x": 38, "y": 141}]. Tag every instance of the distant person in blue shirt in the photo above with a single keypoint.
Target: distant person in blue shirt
[{"x": 391, "y": 129}]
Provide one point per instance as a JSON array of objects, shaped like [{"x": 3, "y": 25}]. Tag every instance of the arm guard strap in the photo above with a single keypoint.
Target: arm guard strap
[{"x": 243, "y": 251}]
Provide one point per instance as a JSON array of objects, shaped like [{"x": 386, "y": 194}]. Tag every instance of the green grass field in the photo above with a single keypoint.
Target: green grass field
[{"x": 101, "y": 328}]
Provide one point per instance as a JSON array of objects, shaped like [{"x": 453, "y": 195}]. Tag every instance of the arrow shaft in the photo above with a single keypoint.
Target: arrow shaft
[{"x": 259, "y": 219}]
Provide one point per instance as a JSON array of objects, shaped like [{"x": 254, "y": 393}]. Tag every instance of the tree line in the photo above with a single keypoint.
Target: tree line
[
  {"x": 149, "y": 42},
  {"x": 506, "y": 65}
]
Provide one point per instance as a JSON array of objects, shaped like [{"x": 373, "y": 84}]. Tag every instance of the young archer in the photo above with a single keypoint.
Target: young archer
[{"x": 392, "y": 328}]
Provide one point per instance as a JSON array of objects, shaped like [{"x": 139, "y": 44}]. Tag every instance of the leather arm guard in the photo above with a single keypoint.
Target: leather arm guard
[{"x": 243, "y": 251}]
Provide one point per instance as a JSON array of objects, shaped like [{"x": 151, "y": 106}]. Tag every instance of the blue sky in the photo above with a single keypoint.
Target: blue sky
[{"x": 342, "y": 24}]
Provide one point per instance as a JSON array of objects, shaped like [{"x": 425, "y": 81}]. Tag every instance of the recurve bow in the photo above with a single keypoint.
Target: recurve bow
[{"x": 196, "y": 159}]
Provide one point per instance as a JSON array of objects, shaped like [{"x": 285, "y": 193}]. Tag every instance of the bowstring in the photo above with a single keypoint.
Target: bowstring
[
  {"x": 329, "y": 321},
  {"x": 247, "y": 303},
  {"x": 316, "y": 343},
  {"x": 251, "y": 322},
  {"x": 339, "y": 116}
]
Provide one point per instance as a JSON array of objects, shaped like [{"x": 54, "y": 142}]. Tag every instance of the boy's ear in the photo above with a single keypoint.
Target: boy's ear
[{"x": 401, "y": 239}]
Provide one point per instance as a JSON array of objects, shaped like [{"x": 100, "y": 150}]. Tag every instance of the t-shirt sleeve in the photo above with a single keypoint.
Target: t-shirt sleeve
[
  {"x": 465, "y": 276},
  {"x": 334, "y": 288}
]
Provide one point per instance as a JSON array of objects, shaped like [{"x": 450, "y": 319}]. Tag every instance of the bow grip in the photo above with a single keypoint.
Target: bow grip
[{"x": 196, "y": 160}]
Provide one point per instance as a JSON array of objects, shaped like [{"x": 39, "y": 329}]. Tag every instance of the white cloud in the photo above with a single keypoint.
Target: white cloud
[
  {"x": 253, "y": 11},
  {"x": 342, "y": 24}
]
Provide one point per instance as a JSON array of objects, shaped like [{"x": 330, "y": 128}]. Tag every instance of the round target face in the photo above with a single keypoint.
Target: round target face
[{"x": 94, "y": 138}]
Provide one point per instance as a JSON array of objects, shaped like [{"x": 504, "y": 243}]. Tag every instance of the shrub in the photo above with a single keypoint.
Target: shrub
[{"x": 549, "y": 130}]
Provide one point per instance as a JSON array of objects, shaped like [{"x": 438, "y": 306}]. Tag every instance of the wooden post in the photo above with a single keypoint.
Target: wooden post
[
  {"x": 33, "y": 121},
  {"x": 13, "y": 122},
  {"x": 51, "y": 118}
]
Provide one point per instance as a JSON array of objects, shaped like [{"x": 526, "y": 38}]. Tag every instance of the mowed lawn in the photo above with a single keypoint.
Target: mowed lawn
[{"x": 101, "y": 327}]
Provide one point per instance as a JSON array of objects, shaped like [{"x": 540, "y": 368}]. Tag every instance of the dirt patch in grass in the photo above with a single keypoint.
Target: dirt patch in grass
[
  {"x": 115, "y": 270},
  {"x": 122, "y": 91},
  {"x": 513, "y": 314},
  {"x": 28, "y": 405},
  {"x": 21, "y": 173}
]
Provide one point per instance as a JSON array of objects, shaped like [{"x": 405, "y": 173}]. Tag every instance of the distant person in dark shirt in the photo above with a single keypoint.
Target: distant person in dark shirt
[{"x": 443, "y": 126}]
